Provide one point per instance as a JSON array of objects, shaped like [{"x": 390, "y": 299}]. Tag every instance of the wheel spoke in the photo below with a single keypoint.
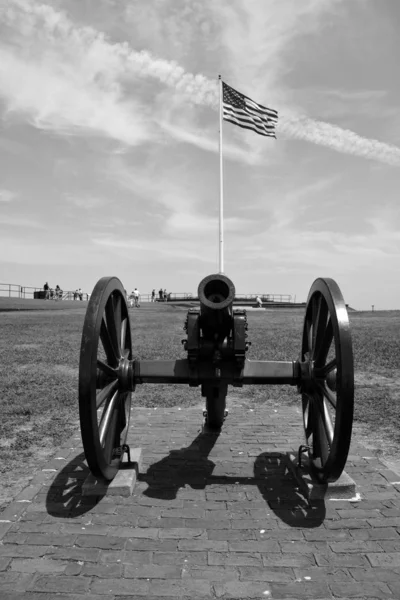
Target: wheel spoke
[
  {"x": 319, "y": 327},
  {"x": 308, "y": 414},
  {"x": 328, "y": 394},
  {"x": 320, "y": 438},
  {"x": 328, "y": 423},
  {"x": 110, "y": 444},
  {"x": 308, "y": 333},
  {"x": 106, "y": 369},
  {"x": 326, "y": 342},
  {"x": 322, "y": 372},
  {"x": 106, "y": 417},
  {"x": 108, "y": 345},
  {"x": 105, "y": 393},
  {"x": 123, "y": 334},
  {"x": 114, "y": 324}
]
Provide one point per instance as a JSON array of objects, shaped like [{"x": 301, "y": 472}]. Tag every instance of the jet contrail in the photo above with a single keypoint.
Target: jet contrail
[{"x": 198, "y": 89}]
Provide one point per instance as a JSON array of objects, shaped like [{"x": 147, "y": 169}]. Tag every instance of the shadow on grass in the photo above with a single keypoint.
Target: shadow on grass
[
  {"x": 191, "y": 466},
  {"x": 64, "y": 498}
]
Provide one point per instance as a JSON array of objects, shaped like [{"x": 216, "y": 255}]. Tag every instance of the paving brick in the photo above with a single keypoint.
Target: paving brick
[
  {"x": 271, "y": 559},
  {"x": 251, "y": 559},
  {"x": 201, "y": 544},
  {"x": 390, "y": 545},
  {"x": 13, "y": 511},
  {"x": 210, "y": 573},
  {"x": 49, "y": 539},
  {"x": 120, "y": 587},
  {"x": 74, "y": 553},
  {"x": 300, "y": 589},
  {"x": 46, "y": 596},
  {"x": 242, "y": 589},
  {"x": 385, "y": 522},
  {"x": 359, "y": 513},
  {"x": 355, "y": 546},
  {"x": 182, "y": 533},
  {"x": 32, "y": 527},
  {"x": 231, "y": 534},
  {"x": 15, "y": 538},
  {"x": 38, "y": 565},
  {"x": 17, "y": 550},
  {"x": 346, "y": 524},
  {"x": 326, "y": 534},
  {"x": 156, "y": 571},
  {"x": 327, "y": 574},
  {"x": 48, "y": 583},
  {"x": 341, "y": 560},
  {"x": 282, "y": 574},
  {"x": 368, "y": 589},
  {"x": 100, "y": 541},
  {"x": 192, "y": 588},
  {"x": 119, "y": 520},
  {"x": 375, "y": 574},
  {"x": 152, "y": 545},
  {"x": 254, "y": 546},
  {"x": 384, "y": 559},
  {"x": 12, "y": 581},
  {"x": 180, "y": 558},
  {"x": 4, "y": 563},
  {"x": 376, "y": 533},
  {"x": 185, "y": 513},
  {"x": 102, "y": 570}
]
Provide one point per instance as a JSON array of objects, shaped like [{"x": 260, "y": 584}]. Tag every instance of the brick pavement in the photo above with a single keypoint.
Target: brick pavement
[{"x": 210, "y": 517}]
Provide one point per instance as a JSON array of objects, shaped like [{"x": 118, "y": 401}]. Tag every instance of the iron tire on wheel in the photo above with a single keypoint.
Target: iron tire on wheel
[
  {"x": 106, "y": 349},
  {"x": 328, "y": 391}
]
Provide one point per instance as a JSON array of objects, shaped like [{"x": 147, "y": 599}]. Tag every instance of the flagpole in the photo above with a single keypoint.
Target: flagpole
[{"x": 221, "y": 185}]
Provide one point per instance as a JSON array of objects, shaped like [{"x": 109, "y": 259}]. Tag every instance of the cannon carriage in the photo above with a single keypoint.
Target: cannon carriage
[{"x": 216, "y": 346}]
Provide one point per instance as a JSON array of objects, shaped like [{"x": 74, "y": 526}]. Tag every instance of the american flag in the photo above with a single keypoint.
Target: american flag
[{"x": 243, "y": 111}]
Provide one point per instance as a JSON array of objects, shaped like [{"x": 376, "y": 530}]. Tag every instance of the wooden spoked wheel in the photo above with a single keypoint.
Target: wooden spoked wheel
[
  {"x": 104, "y": 378},
  {"x": 328, "y": 383}
]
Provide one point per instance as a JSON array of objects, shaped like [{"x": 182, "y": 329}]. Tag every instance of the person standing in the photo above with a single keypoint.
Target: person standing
[
  {"x": 160, "y": 293},
  {"x": 153, "y": 296},
  {"x": 259, "y": 302},
  {"x": 46, "y": 291},
  {"x": 165, "y": 295},
  {"x": 136, "y": 297}
]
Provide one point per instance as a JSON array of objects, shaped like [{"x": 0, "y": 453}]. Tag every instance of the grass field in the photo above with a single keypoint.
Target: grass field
[{"x": 39, "y": 355}]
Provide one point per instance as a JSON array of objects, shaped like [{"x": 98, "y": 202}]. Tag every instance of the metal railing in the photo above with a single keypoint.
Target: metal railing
[
  {"x": 265, "y": 297},
  {"x": 13, "y": 290}
]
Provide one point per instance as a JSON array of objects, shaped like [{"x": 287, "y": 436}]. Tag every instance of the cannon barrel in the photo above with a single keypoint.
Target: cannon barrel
[{"x": 216, "y": 294}]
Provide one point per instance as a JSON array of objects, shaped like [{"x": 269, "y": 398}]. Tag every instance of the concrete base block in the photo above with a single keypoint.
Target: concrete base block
[
  {"x": 342, "y": 489},
  {"x": 123, "y": 483}
]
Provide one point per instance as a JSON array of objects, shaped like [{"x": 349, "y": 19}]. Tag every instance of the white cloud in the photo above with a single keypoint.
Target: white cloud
[
  {"x": 19, "y": 221},
  {"x": 72, "y": 78},
  {"x": 7, "y": 195},
  {"x": 86, "y": 202}
]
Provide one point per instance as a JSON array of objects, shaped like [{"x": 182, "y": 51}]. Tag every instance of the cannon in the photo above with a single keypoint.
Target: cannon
[{"x": 216, "y": 346}]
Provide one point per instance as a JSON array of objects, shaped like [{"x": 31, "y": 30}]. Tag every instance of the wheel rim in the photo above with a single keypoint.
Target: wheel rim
[
  {"x": 104, "y": 377},
  {"x": 328, "y": 390}
]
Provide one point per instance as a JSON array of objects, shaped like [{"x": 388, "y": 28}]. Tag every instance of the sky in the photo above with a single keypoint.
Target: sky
[{"x": 109, "y": 154}]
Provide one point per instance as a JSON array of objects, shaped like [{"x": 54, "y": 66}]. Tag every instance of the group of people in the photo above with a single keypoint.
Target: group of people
[
  {"x": 78, "y": 294},
  {"x": 162, "y": 295},
  {"x": 134, "y": 298},
  {"x": 52, "y": 294}
]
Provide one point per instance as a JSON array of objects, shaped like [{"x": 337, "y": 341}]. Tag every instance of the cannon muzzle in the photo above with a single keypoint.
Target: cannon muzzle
[{"x": 216, "y": 294}]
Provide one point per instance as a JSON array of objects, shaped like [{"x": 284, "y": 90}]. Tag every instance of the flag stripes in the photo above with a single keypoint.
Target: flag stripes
[{"x": 244, "y": 112}]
